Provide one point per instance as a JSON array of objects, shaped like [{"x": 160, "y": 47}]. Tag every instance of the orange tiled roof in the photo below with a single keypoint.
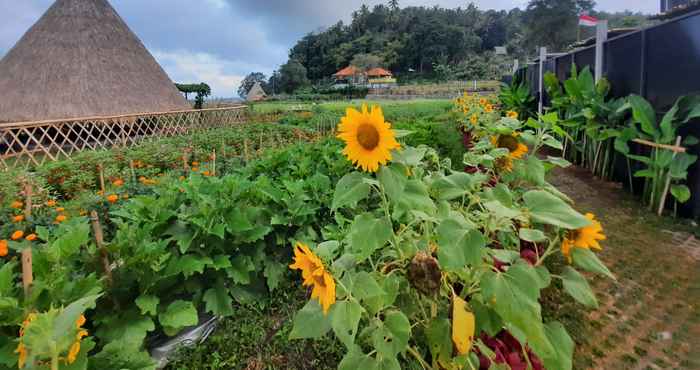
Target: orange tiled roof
[
  {"x": 347, "y": 72},
  {"x": 378, "y": 72}
]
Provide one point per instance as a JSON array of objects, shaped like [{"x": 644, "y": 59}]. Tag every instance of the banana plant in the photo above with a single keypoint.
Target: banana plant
[
  {"x": 665, "y": 169},
  {"x": 516, "y": 97}
]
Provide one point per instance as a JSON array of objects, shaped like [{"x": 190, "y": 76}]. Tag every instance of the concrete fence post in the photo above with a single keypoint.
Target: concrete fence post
[
  {"x": 600, "y": 39},
  {"x": 543, "y": 57}
]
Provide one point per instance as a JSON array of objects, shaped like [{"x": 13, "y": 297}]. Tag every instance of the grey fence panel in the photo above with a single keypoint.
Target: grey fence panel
[
  {"x": 585, "y": 58},
  {"x": 623, "y": 64},
  {"x": 564, "y": 67}
]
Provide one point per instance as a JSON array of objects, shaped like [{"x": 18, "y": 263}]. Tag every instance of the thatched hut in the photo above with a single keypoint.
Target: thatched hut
[
  {"x": 82, "y": 60},
  {"x": 256, "y": 93}
]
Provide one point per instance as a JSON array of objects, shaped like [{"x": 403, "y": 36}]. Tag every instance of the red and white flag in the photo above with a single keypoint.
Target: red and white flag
[{"x": 587, "y": 21}]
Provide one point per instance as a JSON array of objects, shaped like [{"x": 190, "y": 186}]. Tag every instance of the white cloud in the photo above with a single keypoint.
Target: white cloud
[{"x": 221, "y": 75}]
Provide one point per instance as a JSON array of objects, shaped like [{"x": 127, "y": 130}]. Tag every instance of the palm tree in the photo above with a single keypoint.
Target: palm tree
[{"x": 394, "y": 5}]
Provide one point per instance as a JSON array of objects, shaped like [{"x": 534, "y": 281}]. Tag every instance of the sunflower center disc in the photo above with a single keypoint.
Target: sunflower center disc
[
  {"x": 368, "y": 136},
  {"x": 509, "y": 142}
]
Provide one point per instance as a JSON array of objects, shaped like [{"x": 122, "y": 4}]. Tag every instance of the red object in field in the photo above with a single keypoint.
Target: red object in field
[{"x": 587, "y": 21}]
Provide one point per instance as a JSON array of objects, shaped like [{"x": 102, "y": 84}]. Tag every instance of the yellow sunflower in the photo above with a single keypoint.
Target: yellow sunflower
[
  {"x": 314, "y": 274},
  {"x": 483, "y": 102},
  {"x": 586, "y": 237},
  {"x": 488, "y": 108},
  {"x": 369, "y": 139},
  {"x": 474, "y": 119},
  {"x": 512, "y": 114},
  {"x": 516, "y": 150}
]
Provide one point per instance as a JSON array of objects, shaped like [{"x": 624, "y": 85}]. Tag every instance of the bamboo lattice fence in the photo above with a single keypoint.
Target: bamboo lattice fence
[{"x": 27, "y": 144}]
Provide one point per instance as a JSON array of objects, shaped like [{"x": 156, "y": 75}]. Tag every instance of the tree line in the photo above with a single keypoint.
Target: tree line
[{"x": 436, "y": 43}]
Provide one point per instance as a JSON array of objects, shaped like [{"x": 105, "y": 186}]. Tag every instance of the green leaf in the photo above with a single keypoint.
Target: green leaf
[
  {"x": 679, "y": 166},
  {"x": 645, "y": 173},
  {"x": 458, "y": 246},
  {"x": 455, "y": 185},
  {"x": 644, "y": 114},
  {"x": 218, "y": 301},
  {"x": 577, "y": 287},
  {"x": 514, "y": 296},
  {"x": 129, "y": 326},
  {"x": 531, "y": 235},
  {"x": 178, "y": 315},
  {"x": 534, "y": 170},
  {"x": 310, "y": 322},
  {"x": 588, "y": 261},
  {"x": 350, "y": 189},
  {"x": 364, "y": 286},
  {"x": 415, "y": 197},
  {"x": 65, "y": 322},
  {"x": 345, "y": 318},
  {"x": 409, "y": 156},
  {"x": 548, "y": 209},
  {"x": 562, "y": 356},
  {"x": 148, "y": 304},
  {"x": 558, "y": 161},
  {"x": 240, "y": 269},
  {"x": 391, "y": 337},
  {"x": 487, "y": 319},
  {"x": 393, "y": 180},
  {"x": 7, "y": 286},
  {"x": 367, "y": 234},
  {"x": 681, "y": 193},
  {"x": 668, "y": 132},
  {"x": 274, "y": 273},
  {"x": 438, "y": 333}
]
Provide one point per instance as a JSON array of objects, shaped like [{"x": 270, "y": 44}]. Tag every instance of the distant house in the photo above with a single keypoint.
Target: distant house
[
  {"x": 372, "y": 78},
  {"x": 669, "y": 5},
  {"x": 350, "y": 75}
]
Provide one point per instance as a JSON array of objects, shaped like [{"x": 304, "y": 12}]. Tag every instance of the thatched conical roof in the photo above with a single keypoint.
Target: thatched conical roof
[
  {"x": 256, "y": 93},
  {"x": 81, "y": 60}
]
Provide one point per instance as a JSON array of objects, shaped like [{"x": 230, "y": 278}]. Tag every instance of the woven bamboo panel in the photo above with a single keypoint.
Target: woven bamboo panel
[{"x": 29, "y": 144}]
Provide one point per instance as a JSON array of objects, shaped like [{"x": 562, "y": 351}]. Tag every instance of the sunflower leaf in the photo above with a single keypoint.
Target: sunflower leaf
[
  {"x": 351, "y": 189},
  {"x": 310, "y": 322},
  {"x": 577, "y": 287},
  {"x": 548, "y": 209}
]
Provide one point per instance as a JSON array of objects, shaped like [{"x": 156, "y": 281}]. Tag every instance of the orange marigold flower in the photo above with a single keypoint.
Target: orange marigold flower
[
  {"x": 112, "y": 198},
  {"x": 31, "y": 237},
  {"x": 195, "y": 169},
  {"x": 118, "y": 183},
  {"x": 60, "y": 209},
  {"x": 195, "y": 164},
  {"x": 16, "y": 204},
  {"x": 206, "y": 173},
  {"x": 51, "y": 203},
  {"x": 18, "y": 218},
  {"x": 3, "y": 248},
  {"x": 17, "y": 235},
  {"x": 60, "y": 218}
]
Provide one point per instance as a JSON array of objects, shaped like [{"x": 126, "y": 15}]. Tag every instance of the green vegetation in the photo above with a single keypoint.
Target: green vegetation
[{"x": 201, "y": 89}]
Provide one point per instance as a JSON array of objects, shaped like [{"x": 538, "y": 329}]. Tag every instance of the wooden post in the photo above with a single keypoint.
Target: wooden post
[
  {"x": 27, "y": 269},
  {"x": 664, "y": 194},
  {"x": 133, "y": 171},
  {"x": 100, "y": 169},
  {"x": 245, "y": 150},
  {"x": 99, "y": 240},
  {"x": 186, "y": 160},
  {"x": 213, "y": 162}
]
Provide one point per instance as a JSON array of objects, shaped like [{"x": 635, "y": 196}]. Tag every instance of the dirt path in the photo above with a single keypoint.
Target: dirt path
[{"x": 650, "y": 317}]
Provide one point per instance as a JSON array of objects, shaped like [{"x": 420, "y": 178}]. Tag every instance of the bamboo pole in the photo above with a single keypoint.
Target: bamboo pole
[
  {"x": 27, "y": 268},
  {"x": 213, "y": 162},
  {"x": 664, "y": 194},
  {"x": 245, "y": 150},
  {"x": 101, "y": 171},
  {"x": 674, "y": 148},
  {"x": 186, "y": 160},
  {"x": 133, "y": 171},
  {"x": 99, "y": 240}
]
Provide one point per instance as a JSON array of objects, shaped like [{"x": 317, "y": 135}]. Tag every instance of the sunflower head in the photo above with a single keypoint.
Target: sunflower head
[
  {"x": 488, "y": 108},
  {"x": 315, "y": 275},
  {"x": 368, "y": 138},
  {"x": 474, "y": 119},
  {"x": 516, "y": 149},
  {"x": 586, "y": 237},
  {"x": 512, "y": 114}
]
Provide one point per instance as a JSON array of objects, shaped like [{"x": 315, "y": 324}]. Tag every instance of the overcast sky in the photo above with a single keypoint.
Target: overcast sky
[{"x": 220, "y": 41}]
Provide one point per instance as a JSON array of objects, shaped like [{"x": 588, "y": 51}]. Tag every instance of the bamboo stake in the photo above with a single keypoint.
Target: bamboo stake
[
  {"x": 99, "y": 240},
  {"x": 664, "y": 194},
  {"x": 213, "y": 162},
  {"x": 27, "y": 270},
  {"x": 185, "y": 160},
  {"x": 101, "y": 171},
  {"x": 133, "y": 172},
  {"x": 673, "y": 148},
  {"x": 245, "y": 150}
]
